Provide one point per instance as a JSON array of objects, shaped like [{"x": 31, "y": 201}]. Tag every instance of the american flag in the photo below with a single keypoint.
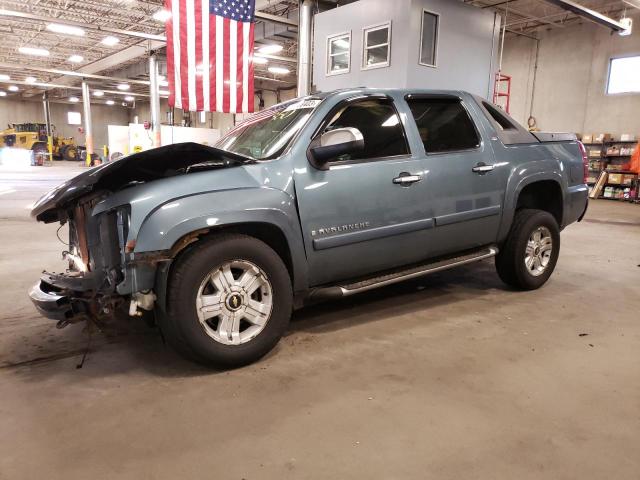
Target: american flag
[{"x": 209, "y": 55}]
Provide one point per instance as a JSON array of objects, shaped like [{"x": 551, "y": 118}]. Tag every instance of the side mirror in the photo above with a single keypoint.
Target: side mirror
[{"x": 337, "y": 142}]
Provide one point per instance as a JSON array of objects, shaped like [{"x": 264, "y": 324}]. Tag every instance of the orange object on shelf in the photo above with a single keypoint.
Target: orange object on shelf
[{"x": 634, "y": 164}]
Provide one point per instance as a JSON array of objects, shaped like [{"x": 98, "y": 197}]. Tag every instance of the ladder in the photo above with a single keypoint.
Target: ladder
[{"x": 499, "y": 91}]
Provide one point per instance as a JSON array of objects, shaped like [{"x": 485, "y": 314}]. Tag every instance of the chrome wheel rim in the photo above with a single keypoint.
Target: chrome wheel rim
[
  {"x": 538, "y": 252},
  {"x": 234, "y": 302}
]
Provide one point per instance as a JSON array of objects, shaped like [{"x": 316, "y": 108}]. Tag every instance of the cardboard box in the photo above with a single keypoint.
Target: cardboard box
[
  {"x": 627, "y": 179},
  {"x": 607, "y": 137},
  {"x": 627, "y": 137},
  {"x": 613, "y": 151},
  {"x": 615, "y": 178},
  {"x": 595, "y": 153},
  {"x": 587, "y": 138}
]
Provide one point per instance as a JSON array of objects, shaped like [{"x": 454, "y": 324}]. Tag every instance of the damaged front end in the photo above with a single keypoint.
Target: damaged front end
[
  {"x": 97, "y": 264},
  {"x": 103, "y": 273}
]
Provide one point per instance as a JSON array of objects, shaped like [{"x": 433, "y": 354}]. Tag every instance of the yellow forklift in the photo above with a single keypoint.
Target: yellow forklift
[{"x": 33, "y": 136}]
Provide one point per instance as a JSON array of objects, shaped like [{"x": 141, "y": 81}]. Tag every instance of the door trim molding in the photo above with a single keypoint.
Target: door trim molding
[
  {"x": 349, "y": 238},
  {"x": 467, "y": 215}
]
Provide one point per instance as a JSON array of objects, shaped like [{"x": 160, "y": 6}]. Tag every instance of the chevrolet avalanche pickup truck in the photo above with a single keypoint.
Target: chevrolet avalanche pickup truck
[{"x": 316, "y": 198}]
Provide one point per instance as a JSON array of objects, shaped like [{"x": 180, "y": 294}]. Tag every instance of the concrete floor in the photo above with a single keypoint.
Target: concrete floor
[{"x": 449, "y": 377}]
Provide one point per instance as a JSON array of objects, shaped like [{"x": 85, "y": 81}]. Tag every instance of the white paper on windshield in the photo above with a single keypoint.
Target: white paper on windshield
[{"x": 303, "y": 104}]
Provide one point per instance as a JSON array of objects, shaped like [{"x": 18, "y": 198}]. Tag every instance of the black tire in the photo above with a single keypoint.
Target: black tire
[
  {"x": 70, "y": 153},
  {"x": 61, "y": 150},
  {"x": 510, "y": 262},
  {"x": 40, "y": 148},
  {"x": 181, "y": 325}
]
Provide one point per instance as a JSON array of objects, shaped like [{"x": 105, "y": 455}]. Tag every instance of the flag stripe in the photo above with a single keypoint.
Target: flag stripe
[
  {"x": 251, "y": 106},
  {"x": 206, "y": 60},
  {"x": 225, "y": 66},
  {"x": 170, "y": 69},
  {"x": 191, "y": 56},
  {"x": 239, "y": 70},
  {"x": 184, "y": 56},
  {"x": 219, "y": 62},
  {"x": 200, "y": 70}
]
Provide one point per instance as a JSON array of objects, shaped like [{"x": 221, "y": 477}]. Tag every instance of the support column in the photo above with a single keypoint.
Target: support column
[
  {"x": 88, "y": 131},
  {"x": 154, "y": 100},
  {"x": 47, "y": 121},
  {"x": 304, "y": 48}
]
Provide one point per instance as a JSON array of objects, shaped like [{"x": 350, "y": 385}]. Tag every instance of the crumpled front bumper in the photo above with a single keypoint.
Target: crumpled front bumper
[{"x": 54, "y": 299}]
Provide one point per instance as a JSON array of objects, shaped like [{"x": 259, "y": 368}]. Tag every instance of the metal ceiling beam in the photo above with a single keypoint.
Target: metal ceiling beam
[
  {"x": 88, "y": 26},
  {"x": 268, "y": 17},
  {"x": 72, "y": 73},
  {"x": 589, "y": 14},
  {"x": 509, "y": 9},
  {"x": 47, "y": 85},
  {"x": 560, "y": 14}
]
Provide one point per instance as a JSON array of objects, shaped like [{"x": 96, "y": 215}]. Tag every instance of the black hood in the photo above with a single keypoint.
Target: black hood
[{"x": 142, "y": 167}]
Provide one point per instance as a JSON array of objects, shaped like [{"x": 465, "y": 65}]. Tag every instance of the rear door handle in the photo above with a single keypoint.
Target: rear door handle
[
  {"x": 482, "y": 168},
  {"x": 405, "y": 179}
]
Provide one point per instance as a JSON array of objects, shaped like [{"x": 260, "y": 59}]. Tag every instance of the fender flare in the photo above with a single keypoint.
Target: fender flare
[
  {"x": 167, "y": 225},
  {"x": 513, "y": 193}
]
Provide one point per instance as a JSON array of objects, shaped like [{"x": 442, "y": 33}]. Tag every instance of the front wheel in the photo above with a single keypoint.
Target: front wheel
[
  {"x": 531, "y": 250},
  {"x": 229, "y": 301}
]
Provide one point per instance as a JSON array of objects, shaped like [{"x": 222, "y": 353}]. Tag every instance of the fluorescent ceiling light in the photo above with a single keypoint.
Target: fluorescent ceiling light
[
  {"x": 278, "y": 70},
  {"x": 110, "y": 102},
  {"x": 259, "y": 60},
  {"x": 162, "y": 15},
  {"x": 628, "y": 23},
  {"x": 65, "y": 29},
  {"x": 164, "y": 83},
  {"x": 110, "y": 41},
  {"x": 129, "y": 98},
  {"x": 123, "y": 86},
  {"x": 163, "y": 92},
  {"x": 31, "y": 79},
  {"x": 4, "y": 76},
  {"x": 75, "y": 59},
  {"x": 40, "y": 52},
  {"x": 270, "y": 49},
  {"x": 74, "y": 99},
  {"x": 13, "y": 88},
  {"x": 98, "y": 93},
  {"x": 3, "y": 94}
]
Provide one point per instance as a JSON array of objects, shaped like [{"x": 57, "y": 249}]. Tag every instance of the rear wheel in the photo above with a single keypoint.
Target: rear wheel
[
  {"x": 70, "y": 153},
  {"x": 229, "y": 301},
  {"x": 40, "y": 152},
  {"x": 531, "y": 251}
]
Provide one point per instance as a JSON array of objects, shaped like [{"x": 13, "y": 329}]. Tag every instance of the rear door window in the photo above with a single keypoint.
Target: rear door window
[{"x": 444, "y": 124}]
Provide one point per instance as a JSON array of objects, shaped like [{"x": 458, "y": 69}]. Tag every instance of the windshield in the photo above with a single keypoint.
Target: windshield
[{"x": 266, "y": 134}]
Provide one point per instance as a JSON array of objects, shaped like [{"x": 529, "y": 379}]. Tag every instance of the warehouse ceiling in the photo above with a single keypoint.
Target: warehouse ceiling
[
  {"x": 527, "y": 16},
  {"x": 26, "y": 23}
]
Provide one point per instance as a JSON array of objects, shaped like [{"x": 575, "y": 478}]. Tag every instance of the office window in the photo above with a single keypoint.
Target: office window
[
  {"x": 624, "y": 75},
  {"x": 444, "y": 125},
  {"x": 377, "y": 46},
  {"x": 74, "y": 118},
  {"x": 429, "y": 38},
  {"x": 339, "y": 54}
]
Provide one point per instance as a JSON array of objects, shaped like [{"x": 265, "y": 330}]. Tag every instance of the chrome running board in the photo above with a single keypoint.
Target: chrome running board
[{"x": 345, "y": 290}]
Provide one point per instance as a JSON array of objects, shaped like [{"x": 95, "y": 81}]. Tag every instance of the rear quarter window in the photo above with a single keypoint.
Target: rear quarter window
[{"x": 444, "y": 124}]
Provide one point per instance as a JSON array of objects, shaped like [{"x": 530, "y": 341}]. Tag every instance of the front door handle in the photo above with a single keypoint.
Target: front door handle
[
  {"x": 405, "y": 179},
  {"x": 482, "y": 168}
]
